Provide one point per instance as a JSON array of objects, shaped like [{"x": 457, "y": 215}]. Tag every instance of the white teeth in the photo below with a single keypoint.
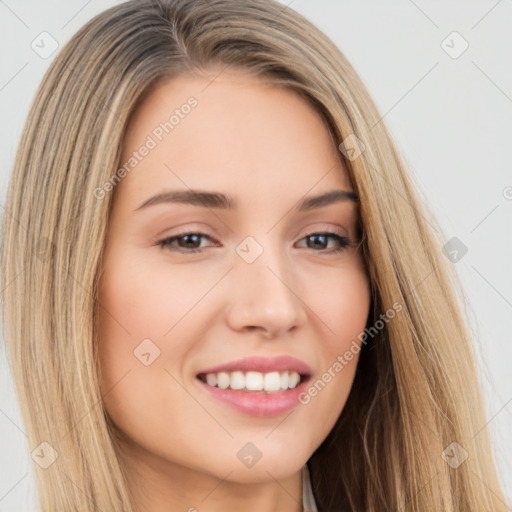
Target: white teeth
[
  {"x": 211, "y": 379},
  {"x": 237, "y": 380},
  {"x": 223, "y": 380},
  {"x": 272, "y": 381},
  {"x": 254, "y": 381},
  {"x": 293, "y": 379},
  {"x": 284, "y": 380}
]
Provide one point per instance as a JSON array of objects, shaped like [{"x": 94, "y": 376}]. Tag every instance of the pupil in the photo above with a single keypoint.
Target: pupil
[
  {"x": 187, "y": 237},
  {"x": 315, "y": 237}
]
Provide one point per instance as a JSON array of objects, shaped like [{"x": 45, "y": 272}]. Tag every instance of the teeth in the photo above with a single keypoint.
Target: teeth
[
  {"x": 211, "y": 379},
  {"x": 284, "y": 380},
  {"x": 254, "y": 381},
  {"x": 237, "y": 380},
  {"x": 223, "y": 380},
  {"x": 272, "y": 381},
  {"x": 293, "y": 379}
]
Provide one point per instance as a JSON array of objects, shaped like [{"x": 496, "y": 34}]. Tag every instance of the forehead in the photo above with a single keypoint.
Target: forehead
[{"x": 228, "y": 130}]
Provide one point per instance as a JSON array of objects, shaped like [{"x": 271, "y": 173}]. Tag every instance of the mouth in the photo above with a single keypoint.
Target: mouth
[
  {"x": 253, "y": 393},
  {"x": 257, "y": 386},
  {"x": 252, "y": 381}
]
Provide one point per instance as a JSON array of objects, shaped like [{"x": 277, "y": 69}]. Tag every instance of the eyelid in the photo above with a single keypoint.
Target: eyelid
[
  {"x": 332, "y": 231},
  {"x": 190, "y": 228},
  {"x": 200, "y": 230}
]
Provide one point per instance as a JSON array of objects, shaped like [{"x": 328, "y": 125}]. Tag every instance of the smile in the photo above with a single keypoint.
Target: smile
[{"x": 271, "y": 382}]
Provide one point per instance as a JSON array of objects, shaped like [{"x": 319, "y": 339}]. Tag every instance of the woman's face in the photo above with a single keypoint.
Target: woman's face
[{"x": 250, "y": 298}]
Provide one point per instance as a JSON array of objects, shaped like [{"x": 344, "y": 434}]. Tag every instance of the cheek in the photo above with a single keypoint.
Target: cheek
[
  {"x": 133, "y": 317},
  {"x": 342, "y": 303},
  {"x": 131, "y": 311},
  {"x": 141, "y": 300},
  {"x": 342, "y": 306},
  {"x": 143, "y": 308}
]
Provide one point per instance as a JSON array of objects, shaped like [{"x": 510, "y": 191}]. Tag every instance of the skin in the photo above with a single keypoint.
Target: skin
[{"x": 268, "y": 148}]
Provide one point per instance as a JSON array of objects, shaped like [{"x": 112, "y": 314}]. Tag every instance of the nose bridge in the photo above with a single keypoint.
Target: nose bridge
[{"x": 263, "y": 281}]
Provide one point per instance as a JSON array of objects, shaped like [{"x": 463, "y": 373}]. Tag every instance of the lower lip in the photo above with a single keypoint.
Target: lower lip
[{"x": 258, "y": 403}]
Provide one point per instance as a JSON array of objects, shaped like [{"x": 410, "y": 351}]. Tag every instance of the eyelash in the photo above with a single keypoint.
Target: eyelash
[{"x": 342, "y": 240}]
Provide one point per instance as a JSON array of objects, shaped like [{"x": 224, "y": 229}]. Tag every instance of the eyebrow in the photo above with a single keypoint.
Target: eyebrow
[{"x": 222, "y": 201}]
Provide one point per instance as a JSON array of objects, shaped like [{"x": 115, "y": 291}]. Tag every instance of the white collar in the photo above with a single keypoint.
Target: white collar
[{"x": 308, "y": 500}]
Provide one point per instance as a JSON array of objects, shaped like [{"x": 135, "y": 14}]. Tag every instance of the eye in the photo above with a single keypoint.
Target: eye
[
  {"x": 322, "y": 239},
  {"x": 190, "y": 242},
  {"x": 187, "y": 242}
]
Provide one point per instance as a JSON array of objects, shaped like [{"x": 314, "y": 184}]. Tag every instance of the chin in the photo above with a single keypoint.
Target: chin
[{"x": 264, "y": 466}]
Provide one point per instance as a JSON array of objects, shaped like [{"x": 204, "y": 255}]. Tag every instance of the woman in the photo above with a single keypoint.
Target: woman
[{"x": 259, "y": 370}]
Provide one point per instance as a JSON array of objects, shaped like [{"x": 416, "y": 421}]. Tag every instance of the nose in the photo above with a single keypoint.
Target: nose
[{"x": 266, "y": 297}]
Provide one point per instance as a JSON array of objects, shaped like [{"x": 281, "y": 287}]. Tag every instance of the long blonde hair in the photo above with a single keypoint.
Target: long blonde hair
[{"x": 415, "y": 390}]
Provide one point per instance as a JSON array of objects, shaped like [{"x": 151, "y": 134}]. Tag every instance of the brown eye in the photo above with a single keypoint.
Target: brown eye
[
  {"x": 187, "y": 242},
  {"x": 321, "y": 240},
  {"x": 190, "y": 242}
]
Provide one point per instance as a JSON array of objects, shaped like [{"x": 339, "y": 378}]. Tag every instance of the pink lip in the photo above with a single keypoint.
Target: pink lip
[
  {"x": 258, "y": 403},
  {"x": 263, "y": 365}
]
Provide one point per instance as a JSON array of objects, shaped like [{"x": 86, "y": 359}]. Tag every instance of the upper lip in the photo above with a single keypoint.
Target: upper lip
[{"x": 263, "y": 365}]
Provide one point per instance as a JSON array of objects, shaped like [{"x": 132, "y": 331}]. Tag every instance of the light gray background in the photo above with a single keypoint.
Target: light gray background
[{"x": 451, "y": 118}]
